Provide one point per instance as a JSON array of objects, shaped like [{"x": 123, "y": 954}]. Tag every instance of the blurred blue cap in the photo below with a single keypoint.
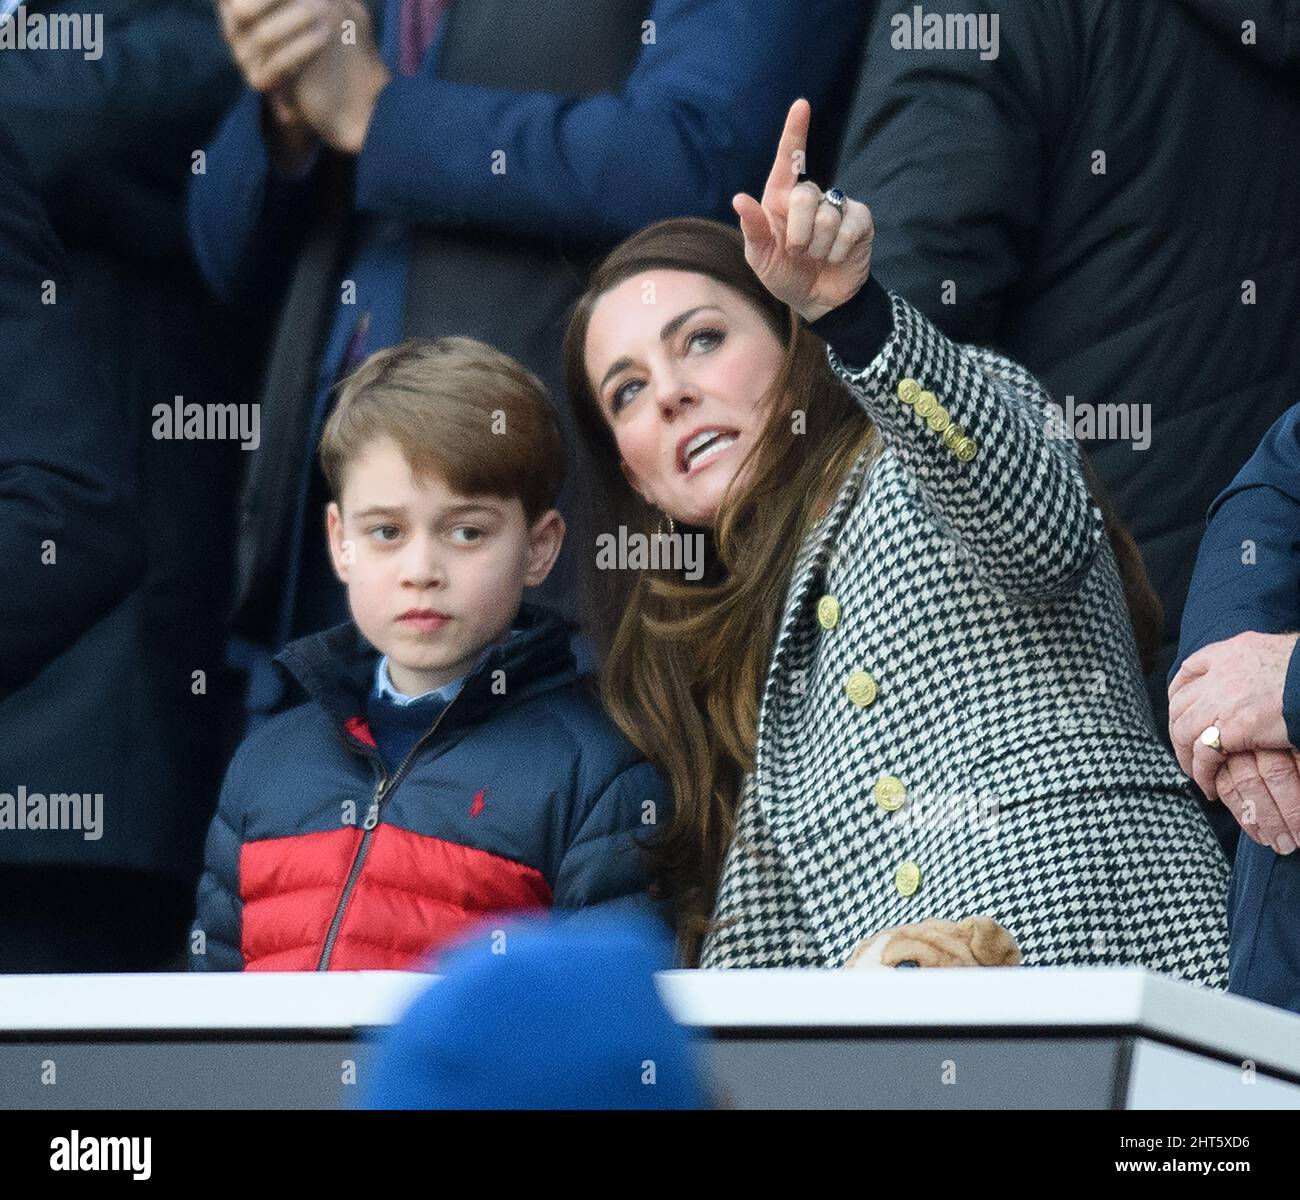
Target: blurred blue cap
[{"x": 536, "y": 1014}]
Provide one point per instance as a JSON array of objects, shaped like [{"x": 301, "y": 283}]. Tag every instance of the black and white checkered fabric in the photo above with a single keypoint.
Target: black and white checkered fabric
[{"x": 985, "y": 602}]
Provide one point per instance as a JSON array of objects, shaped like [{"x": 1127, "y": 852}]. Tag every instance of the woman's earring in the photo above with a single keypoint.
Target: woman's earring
[{"x": 672, "y": 527}]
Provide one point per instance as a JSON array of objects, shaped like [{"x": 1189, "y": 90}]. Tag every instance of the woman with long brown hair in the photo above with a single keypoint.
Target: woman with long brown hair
[{"x": 906, "y": 686}]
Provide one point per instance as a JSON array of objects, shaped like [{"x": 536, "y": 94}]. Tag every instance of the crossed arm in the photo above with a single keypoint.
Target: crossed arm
[{"x": 673, "y": 141}]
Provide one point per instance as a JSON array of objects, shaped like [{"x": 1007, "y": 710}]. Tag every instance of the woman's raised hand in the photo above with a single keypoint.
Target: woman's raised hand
[{"x": 804, "y": 250}]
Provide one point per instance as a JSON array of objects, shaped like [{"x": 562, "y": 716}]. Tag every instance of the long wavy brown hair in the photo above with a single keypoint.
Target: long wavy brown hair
[{"x": 683, "y": 664}]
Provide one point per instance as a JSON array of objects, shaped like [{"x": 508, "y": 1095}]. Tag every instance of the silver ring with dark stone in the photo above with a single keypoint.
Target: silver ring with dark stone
[{"x": 836, "y": 199}]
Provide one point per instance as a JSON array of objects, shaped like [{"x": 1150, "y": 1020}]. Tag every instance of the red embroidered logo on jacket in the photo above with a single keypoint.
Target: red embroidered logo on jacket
[{"x": 478, "y": 806}]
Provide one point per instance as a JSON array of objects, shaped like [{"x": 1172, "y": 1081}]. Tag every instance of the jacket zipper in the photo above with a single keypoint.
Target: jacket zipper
[{"x": 383, "y": 790}]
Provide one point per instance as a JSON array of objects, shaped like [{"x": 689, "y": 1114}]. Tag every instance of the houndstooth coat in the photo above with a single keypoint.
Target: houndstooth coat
[{"x": 954, "y": 722}]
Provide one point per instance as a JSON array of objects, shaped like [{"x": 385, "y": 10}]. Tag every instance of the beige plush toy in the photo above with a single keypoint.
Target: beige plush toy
[{"x": 974, "y": 942}]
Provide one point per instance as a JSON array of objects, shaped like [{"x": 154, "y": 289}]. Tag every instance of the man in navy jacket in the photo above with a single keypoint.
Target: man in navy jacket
[
  {"x": 71, "y": 541},
  {"x": 524, "y": 141},
  {"x": 1237, "y": 675},
  {"x": 137, "y": 703}
]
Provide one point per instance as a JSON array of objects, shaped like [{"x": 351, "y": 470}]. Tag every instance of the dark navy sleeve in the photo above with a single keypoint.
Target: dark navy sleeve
[
  {"x": 675, "y": 140},
  {"x": 858, "y": 328},
  {"x": 246, "y": 219},
  {"x": 1291, "y": 697}
]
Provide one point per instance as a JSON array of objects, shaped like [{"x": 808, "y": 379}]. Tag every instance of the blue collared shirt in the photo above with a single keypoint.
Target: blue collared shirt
[
  {"x": 398, "y": 722},
  {"x": 385, "y": 690}
]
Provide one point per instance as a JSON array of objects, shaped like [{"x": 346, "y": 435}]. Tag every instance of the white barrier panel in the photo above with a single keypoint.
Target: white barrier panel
[{"x": 968, "y": 1038}]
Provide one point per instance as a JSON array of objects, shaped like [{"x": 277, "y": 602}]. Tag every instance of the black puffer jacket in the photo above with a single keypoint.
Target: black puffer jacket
[{"x": 1123, "y": 288}]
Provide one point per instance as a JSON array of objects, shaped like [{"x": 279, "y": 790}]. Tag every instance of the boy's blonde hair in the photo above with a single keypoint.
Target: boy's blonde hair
[{"x": 458, "y": 409}]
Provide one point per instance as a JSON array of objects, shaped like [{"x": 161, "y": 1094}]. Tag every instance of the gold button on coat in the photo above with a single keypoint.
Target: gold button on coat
[
  {"x": 907, "y": 878},
  {"x": 828, "y": 612},
  {"x": 889, "y": 792},
  {"x": 926, "y": 403},
  {"x": 953, "y": 436},
  {"x": 939, "y": 420},
  {"x": 908, "y": 391},
  {"x": 966, "y": 449},
  {"x": 861, "y": 688}
]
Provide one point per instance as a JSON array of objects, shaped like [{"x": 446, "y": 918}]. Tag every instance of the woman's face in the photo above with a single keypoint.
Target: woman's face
[{"x": 681, "y": 365}]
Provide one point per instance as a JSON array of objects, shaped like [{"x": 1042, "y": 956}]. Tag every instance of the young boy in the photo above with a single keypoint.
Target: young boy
[{"x": 447, "y": 762}]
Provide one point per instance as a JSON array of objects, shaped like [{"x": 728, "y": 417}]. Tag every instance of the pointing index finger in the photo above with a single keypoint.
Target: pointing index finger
[{"x": 794, "y": 141}]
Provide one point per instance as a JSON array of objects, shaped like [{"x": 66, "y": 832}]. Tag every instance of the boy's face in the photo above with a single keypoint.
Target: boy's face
[{"x": 432, "y": 576}]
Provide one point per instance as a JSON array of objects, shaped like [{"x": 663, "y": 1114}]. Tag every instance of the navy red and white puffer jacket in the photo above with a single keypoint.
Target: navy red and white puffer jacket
[{"x": 523, "y": 795}]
